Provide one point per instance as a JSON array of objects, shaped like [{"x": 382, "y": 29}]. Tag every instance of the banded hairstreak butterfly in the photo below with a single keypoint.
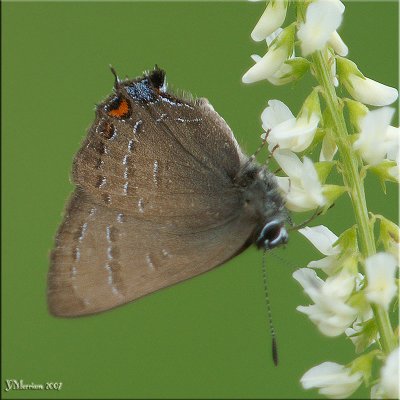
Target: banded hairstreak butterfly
[{"x": 163, "y": 193}]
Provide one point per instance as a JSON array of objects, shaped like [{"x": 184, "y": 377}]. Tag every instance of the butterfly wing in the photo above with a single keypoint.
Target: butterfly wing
[
  {"x": 158, "y": 161},
  {"x": 155, "y": 202},
  {"x": 104, "y": 258}
]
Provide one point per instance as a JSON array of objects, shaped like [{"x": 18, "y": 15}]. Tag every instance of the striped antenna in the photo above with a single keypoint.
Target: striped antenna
[{"x": 269, "y": 313}]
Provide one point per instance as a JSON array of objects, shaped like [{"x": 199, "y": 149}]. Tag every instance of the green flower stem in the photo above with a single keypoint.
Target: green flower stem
[{"x": 353, "y": 181}]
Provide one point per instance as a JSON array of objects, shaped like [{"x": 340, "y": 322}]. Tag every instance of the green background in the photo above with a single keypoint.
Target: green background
[{"x": 205, "y": 338}]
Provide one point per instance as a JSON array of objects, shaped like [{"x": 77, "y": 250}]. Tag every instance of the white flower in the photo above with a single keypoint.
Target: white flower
[
  {"x": 272, "y": 18},
  {"x": 276, "y": 113},
  {"x": 327, "y": 264},
  {"x": 338, "y": 287},
  {"x": 322, "y": 20},
  {"x": 287, "y": 131},
  {"x": 302, "y": 188},
  {"x": 290, "y": 70},
  {"x": 330, "y": 313},
  {"x": 333, "y": 380},
  {"x": 323, "y": 240},
  {"x": 371, "y": 92},
  {"x": 277, "y": 54},
  {"x": 338, "y": 45},
  {"x": 286, "y": 72},
  {"x": 266, "y": 66},
  {"x": 390, "y": 375},
  {"x": 380, "y": 269},
  {"x": 363, "y": 89},
  {"x": 377, "y": 137}
]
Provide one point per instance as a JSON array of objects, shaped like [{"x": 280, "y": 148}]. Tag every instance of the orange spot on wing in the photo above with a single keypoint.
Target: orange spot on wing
[{"x": 121, "y": 111}]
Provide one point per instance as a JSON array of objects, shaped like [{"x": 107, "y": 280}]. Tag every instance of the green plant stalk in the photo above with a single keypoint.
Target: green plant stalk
[{"x": 352, "y": 180}]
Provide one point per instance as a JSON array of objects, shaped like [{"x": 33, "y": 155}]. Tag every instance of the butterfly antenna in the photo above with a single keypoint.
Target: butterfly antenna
[
  {"x": 260, "y": 147},
  {"x": 316, "y": 214},
  {"x": 284, "y": 261},
  {"x": 270, "y": 155},
  {"x": 116, "y": 78},
  {"x": 254, "y": 155},
  {"x": 269, "y": 314}
]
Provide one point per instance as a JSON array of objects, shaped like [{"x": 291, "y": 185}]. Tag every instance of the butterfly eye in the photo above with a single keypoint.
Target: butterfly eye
[{"x": 272, "y": 235}]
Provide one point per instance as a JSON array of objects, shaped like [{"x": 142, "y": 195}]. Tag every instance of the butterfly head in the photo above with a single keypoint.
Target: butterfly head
[
  {"x": 273, "y": 233},
  {"x": 266, "y": 204}
]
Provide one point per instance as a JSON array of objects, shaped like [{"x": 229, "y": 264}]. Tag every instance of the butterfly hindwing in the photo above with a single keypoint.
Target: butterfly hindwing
[{"x": 104, "y": 258}]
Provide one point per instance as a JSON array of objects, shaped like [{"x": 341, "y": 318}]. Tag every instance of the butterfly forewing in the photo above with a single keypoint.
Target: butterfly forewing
[{"x": 158, "y": 161}]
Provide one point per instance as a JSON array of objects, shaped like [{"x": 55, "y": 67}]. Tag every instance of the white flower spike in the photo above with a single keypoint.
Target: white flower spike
[
  {"x": 272, "y": 18},
  {"x": 346, "y": 302},
  {"x": 302, "y": 188},
  {"x": 375, "y": 141},
  {"x": 380, "y": 269},
  {"x": 322, "y": 20},
  {"x": 333, "y": 380}
]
